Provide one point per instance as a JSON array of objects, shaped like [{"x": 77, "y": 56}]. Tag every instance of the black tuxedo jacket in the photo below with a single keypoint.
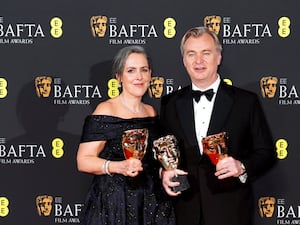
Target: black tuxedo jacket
[{"x": 210, "y": 201}]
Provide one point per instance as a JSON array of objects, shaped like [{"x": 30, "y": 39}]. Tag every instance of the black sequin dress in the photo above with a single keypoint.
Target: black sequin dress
[{"x": 121, "y": 200}]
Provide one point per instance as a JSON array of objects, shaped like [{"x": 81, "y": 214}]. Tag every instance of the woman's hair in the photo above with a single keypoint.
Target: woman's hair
[
  {"x": 122, "y": 55},
  {"x": 198, "y": 32}
]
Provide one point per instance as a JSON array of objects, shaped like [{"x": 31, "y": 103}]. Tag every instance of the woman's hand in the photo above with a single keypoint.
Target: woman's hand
[{"x": 129, "y": 167}]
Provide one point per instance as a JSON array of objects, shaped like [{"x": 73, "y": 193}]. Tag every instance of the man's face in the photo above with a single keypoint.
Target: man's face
[{"x": 201, "y": 60}]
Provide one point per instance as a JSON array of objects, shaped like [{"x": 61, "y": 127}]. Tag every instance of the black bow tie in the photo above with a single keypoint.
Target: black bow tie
[{"x": 208, "y": 94}]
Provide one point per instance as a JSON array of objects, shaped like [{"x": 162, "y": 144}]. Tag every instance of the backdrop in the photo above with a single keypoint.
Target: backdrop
[{"x": 55, "y": 67}]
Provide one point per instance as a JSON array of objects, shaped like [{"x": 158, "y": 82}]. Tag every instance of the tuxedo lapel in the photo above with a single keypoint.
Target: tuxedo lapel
[
  {"x": 222, "y": 107},
  {"x": 184, "y": 107}
]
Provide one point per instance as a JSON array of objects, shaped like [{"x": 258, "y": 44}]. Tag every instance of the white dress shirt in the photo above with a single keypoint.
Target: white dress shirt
[{"x": 202, "y": 112}]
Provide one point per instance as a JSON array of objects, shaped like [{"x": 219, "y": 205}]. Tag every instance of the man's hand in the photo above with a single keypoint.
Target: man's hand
[
  {"x": 167, "y": 182},
  {"x": 229, "y": 167}
]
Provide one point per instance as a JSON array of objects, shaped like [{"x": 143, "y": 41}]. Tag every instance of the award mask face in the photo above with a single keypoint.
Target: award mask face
[
  {"x": 134, "y": 143},
  {"x": 215, "y": 146},
  {"x": 165, "y": 150}
]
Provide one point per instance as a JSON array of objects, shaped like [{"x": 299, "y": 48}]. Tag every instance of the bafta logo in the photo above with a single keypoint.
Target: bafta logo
[
  {"x": 44, "y": 205},
  {"x": 156, "y": 87},
  {"x": 266, "y": 206},
  {"x": 98, "y": 25},
  {"x": 43, "y": 86},
  {"x": 213, "y": 23},
  {"x": 268, "y": 86}
]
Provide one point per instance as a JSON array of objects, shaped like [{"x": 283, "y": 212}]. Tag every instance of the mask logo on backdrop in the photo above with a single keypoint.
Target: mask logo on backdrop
[
  {"x": 3, "y": 87},
  {"x": 287, "y": 94},
  {"x": 156, "y": 87},
  {"x": 4, "y": 206},
  {"x": 98, "y": 25},
  {"x": 62, "y": 94},
  {"x": 43, "y": 86},
  {"x": 251, "y": 33},
  {"x": 213, "y": 23},
  {"x": 268, "y": 86},
  {"x": 118, "y": 34},
  {"x": 44, "y": 205},
  {"x": 48, "y": 205},
  {"x": 266, "y": 206}
]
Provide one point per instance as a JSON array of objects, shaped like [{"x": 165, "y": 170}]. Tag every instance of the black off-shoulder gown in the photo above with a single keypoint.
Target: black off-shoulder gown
[{"x": 121, "y": 200}]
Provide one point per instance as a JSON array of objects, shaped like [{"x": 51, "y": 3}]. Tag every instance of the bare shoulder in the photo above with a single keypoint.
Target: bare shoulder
[
  {"x": 150, "y": 110},
  {"x": 104, "y": 108}
]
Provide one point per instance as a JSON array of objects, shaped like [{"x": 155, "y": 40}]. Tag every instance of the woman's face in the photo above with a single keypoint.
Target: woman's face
[{"x": 136, "y": 75}]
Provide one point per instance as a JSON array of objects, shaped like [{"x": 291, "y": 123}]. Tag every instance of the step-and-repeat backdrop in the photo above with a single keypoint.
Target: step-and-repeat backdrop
[{"x": 55, "y": 67}]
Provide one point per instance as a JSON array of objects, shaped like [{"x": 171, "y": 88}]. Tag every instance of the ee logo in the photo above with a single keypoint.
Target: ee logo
[
  {"x": 284, "y": 27},
  {"x": 4, "y": 210},
  {"x": 3, "y": 87},
  {"x": 281, "y": 148},
  {"x": 57, "y": 148},
  {"x": 56, "y": 27},
  {"x": 113, "y": 88},
  {"x": 169, "y": 30}
]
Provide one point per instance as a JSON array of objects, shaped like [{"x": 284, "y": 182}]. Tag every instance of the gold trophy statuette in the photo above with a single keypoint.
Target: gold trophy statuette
[
  {"x": 167, "y": 153},
  {"x": 134, "y": 143},
  {"x": 215, "y": 146}
]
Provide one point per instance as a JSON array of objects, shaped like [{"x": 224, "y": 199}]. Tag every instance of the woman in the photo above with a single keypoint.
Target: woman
[{"x": 124, "y": 191}]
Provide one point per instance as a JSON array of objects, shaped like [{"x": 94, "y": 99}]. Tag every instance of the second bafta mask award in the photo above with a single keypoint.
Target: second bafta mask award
[
  {"x": 215, "y": 146},
  {"x": 134, "y": 143},
  {"x": 167, "y": 153}
]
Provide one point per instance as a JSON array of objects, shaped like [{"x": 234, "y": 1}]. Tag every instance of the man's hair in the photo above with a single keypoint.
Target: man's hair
[{"x": 198, "y": 32}]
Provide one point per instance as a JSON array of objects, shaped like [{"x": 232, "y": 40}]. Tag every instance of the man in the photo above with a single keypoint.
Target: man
[{"x": 219, "y": 194}]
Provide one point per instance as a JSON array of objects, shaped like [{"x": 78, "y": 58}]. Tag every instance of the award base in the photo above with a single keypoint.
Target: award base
[{"x": 184, "y": 183}]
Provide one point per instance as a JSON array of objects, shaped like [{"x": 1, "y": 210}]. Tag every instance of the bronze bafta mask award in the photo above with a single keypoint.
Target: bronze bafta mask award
[
  {"x": 215, "y": 146},
  {"x": 134, "y": 143},
  {"x": 167, "y": 153}
]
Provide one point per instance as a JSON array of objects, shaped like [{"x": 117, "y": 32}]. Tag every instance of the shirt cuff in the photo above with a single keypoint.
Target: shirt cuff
[{"x": 243, "y": 177}]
